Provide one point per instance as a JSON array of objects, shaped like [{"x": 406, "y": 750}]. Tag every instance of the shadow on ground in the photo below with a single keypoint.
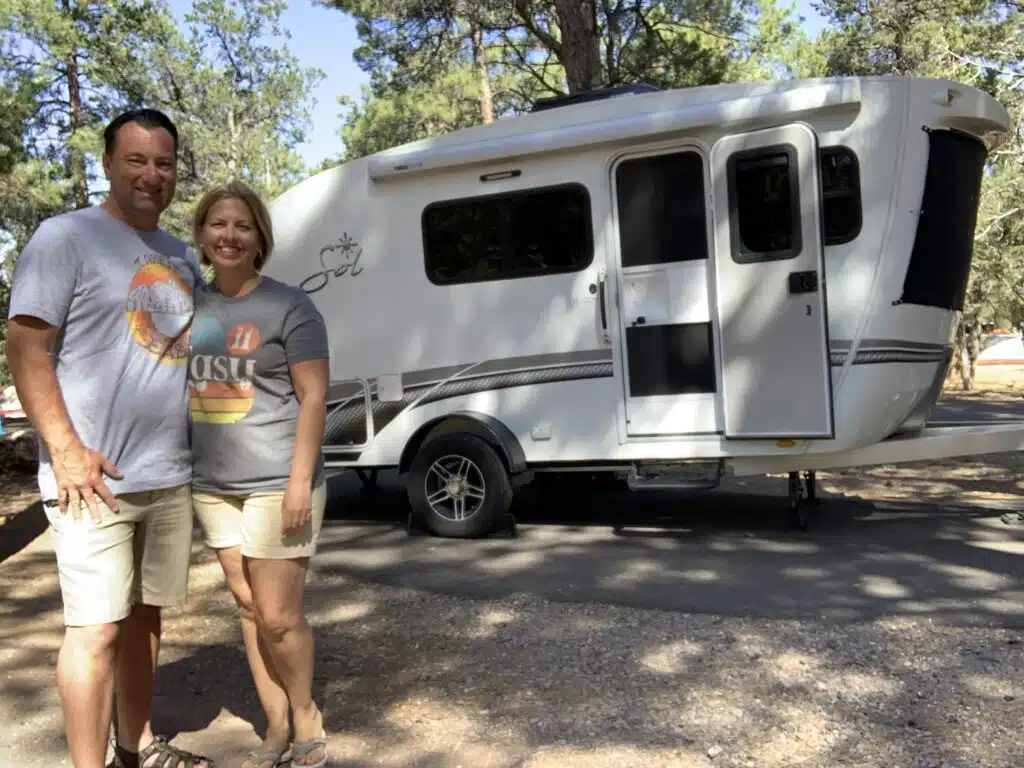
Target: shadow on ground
[
  {"x": 21, "y": 529},
  {"x": 726, "y": 552}
]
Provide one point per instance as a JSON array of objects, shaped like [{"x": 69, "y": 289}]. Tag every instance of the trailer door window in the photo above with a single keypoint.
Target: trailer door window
[
  {"x": 526, "y": 233},
  {"x": 764, "y": 205},
  {"x": 662, "y": 216}
]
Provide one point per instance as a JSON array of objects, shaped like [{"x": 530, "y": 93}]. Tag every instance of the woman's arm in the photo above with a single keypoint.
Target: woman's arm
[{"x": 309, "y": 378}]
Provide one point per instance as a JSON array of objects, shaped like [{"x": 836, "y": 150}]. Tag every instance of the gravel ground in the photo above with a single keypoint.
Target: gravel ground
[
  {"x": 421, "y": 680},
  {"x": 412, "y": 679}
]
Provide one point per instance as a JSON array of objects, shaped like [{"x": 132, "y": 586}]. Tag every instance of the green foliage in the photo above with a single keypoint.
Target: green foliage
[
  {"x": 242, "y": 101},
  {"x": 239, "y": 97},
  {"x": 419, "y": 55},
  {"x": 979, "y": 43}
]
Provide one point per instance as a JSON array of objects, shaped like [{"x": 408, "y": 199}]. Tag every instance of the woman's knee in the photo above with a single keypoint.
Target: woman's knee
[
  {"x": 243, "y": 599},
  {"x": 238, "y": 584},
  {"x": 276, "y": 622}
]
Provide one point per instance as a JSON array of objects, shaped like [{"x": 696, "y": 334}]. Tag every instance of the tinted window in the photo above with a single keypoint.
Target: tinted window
[
  {"x": 501, "y": 237},
  {"x": 764, "y": 203},
  {"x": 661, "y": 209},
  {"x": 840, "y": 190},
  {"x": 940, "y": 262}
]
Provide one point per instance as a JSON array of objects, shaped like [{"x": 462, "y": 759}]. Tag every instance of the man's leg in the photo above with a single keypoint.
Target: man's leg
[
  {"x": 95, "y": 568},
  {"x": 137, "y": 651},
  {"x": 163, "y": 546},
  {"x": 85, "y": 674}
]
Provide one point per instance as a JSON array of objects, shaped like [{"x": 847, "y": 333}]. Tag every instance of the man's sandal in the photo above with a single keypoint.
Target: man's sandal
[
  {"x": 303, "y": 748},
  {"x": 167, "y": 756}
]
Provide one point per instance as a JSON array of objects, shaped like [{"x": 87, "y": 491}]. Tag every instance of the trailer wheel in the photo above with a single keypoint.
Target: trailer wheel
[{"x": 458, "y": 486}]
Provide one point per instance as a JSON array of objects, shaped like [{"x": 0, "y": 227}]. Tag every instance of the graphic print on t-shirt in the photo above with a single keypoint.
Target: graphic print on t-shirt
[
  {"x": 220, "y": 373},
  {"x": 159, "y": 307}
]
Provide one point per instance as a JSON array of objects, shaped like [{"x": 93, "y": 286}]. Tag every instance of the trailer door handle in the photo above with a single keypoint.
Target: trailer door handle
[
  {"x": 803, "y": 282},
  {"x": 601, "y": 280}
]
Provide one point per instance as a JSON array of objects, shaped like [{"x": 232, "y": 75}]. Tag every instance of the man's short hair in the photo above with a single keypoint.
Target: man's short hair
[{"x": 146, "y": 117}]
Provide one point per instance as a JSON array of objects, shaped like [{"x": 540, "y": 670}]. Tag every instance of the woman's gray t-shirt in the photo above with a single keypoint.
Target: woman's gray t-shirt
[{"x": 244, "y": 410}]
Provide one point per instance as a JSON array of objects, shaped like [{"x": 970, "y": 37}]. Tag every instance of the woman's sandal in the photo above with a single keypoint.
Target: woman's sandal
[
  {"x": 303, "y": 748},
  {"x": 276, "y": 759}
]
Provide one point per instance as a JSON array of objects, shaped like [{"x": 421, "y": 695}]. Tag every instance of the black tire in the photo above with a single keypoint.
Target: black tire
[{"x": 486, "y": 466}]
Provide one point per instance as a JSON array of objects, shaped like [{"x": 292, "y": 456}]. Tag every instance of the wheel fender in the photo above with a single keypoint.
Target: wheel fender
[{"x": 475, "y": 423}]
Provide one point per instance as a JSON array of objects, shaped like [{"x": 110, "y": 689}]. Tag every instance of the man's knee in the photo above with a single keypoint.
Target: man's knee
[{"x": 96, "y": 641}]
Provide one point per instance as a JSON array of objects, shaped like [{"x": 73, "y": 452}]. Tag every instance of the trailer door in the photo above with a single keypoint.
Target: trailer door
[
  {"x": 664, "y": 282},
  {"x": 769, "y": 271}
]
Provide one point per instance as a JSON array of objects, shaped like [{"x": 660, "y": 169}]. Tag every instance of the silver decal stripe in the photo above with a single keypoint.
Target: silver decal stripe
[
  {"x": 346, "y": 418},
  {"x": 875, "y": 351}
]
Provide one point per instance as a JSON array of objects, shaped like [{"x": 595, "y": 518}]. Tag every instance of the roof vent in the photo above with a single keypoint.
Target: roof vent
[{"x": 595, "y": 94}]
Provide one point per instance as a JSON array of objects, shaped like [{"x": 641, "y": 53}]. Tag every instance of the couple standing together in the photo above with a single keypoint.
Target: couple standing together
[{"x": 157, "y": 396}]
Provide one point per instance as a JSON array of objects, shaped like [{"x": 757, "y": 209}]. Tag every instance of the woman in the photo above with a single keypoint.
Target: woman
[{"x": 258, "y": 375}]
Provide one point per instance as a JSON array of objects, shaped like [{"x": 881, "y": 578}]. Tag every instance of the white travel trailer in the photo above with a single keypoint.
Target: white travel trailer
[{"x": 756, "y": 278}]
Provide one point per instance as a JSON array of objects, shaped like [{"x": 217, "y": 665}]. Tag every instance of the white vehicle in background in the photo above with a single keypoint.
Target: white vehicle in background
[{"x": 15, "y": 428}]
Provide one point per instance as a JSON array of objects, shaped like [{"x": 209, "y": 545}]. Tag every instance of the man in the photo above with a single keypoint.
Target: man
[{"x": 97, "y": 345}]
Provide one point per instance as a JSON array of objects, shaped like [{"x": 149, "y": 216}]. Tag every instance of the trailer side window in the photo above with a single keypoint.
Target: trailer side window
[
  {"x": 527, "y": 233},
  {"x": 661, "y": 208},
  {"x": 940, "y": 262},
  {"x": 764, "y": 204},
  {"x": 840, "y": 191}
]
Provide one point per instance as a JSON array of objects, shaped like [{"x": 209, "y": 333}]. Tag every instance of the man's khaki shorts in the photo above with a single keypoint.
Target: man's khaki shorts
[
  {"x": 252, "y": 522},
  {"x": 140, "y": 554}
]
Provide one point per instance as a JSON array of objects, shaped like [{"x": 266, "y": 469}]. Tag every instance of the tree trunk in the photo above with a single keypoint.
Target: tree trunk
[
  {"x": 581, "y": 52},
  {"x": 973, "y": 350},
  {"x": 968, "y": 348},
  {"x": 233, "y": 145},
  {"x": 76, "y": 158},
  {"x": 483, "y": 73}
]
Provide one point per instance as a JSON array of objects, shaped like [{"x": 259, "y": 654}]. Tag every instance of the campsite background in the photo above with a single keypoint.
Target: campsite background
[{"x": 272, "y": 92}]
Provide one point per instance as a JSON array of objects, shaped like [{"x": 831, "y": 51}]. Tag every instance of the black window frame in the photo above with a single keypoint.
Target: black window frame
[
  {"x": 740, "y": 253},
  {"x": 706, "y": 246},
  {"x": 522, "y": 192},
  {"x": 841, "y": 149}
]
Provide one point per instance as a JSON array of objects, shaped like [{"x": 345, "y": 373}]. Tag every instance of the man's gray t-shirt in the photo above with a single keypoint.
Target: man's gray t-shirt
[
  {"x": 122, "y": 299},
  {"x": 243, "y": 404}
]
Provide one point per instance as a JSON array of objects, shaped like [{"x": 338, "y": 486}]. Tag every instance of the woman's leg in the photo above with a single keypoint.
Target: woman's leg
[
  {"x": 221, "y": 521},
  {"x": 276, "y": 565},
  {"x": 269, "y": 688},
  {"x": 277, "y": 588}
]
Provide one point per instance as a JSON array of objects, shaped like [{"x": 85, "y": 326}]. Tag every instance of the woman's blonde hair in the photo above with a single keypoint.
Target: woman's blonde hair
[{"x": 235, "y": 190}]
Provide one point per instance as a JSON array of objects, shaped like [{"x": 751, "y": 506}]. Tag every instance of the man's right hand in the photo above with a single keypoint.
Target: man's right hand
[{"x": 79, "y": 473}]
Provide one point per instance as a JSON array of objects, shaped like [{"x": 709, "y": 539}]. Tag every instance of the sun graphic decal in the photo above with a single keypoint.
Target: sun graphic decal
[
  {"x": 159, "y": 308},
  {"x": 221, "y": 371}
]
